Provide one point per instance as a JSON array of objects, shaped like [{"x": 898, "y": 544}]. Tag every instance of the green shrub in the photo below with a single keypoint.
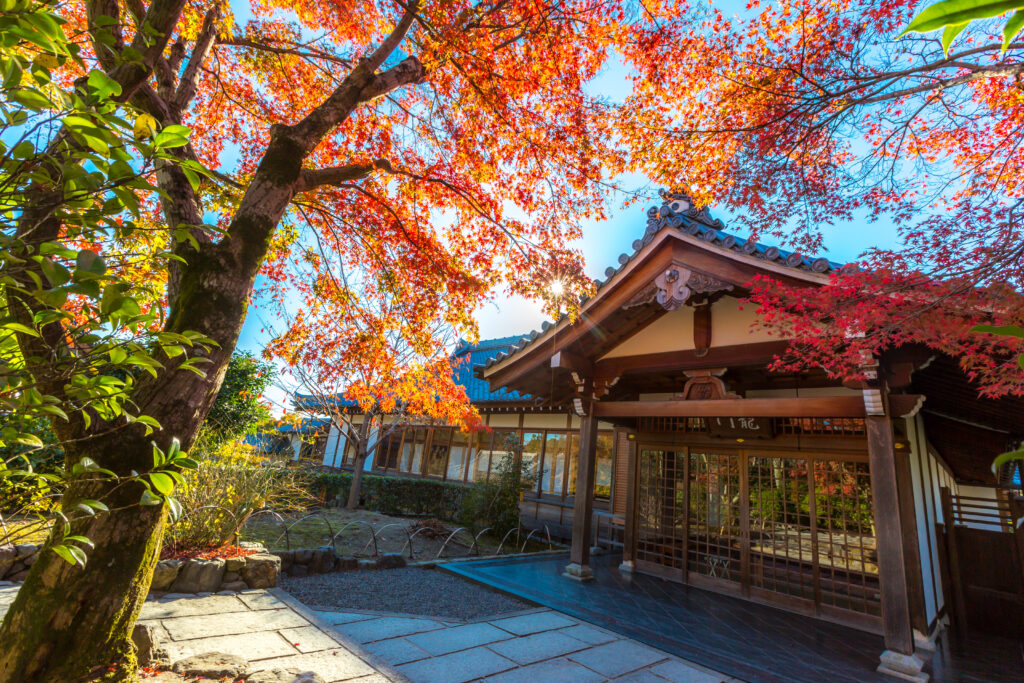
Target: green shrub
[
  {"x": 494, "y": 503},
  {"x": 227, "y": 488},
  {"x": 393, "y": 495}
]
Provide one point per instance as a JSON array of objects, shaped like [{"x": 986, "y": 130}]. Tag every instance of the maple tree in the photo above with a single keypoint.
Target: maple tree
[
  {"x": 349, "y": 358},
  {"x": 445, "y": 151},
  {"x": 801, "y": 115}
]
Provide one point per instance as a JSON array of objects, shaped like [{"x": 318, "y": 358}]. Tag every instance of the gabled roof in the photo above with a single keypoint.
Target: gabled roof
[{"x": 678, "y": 215}]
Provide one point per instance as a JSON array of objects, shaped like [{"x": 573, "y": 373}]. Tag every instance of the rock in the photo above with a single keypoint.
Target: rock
[
  {"x": 26, "y": 549},
  {"x": 232, "y": 576},
  {"x": 164, "y": 575},
  {"x": 304, "y": 556},
  {"x": 234, "y": 564},
  {"x": 212, "y": 665},
  {"x": 287, "y": 557},
  {"x": 252, "y": 545},
  {"x": 19, "y": 577},
  {"x": 8, "y": 557},
  {"x": 261, "y": 570},
  {"x": 298, "y": 570},
  {"x": 6, "y": 583},
  {"x": 344, "y": 564},
  {"x": 31, "y": 559},
  {"x": 285, "y": 676},
  {"x": 366, "y": 564},
  {"x": 199, "y": 576},
  {"x": 390, "y": 561},
  {"x": 323, "y": 561},
  {"x": 147, "y": 642},
  {"x": 12, "y": 569},
  {"x": 234, "y": 586}
]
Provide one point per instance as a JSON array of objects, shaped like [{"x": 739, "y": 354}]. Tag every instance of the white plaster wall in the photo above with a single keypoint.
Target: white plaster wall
[
  {"x": 548, "y": 421},
  {"x": 730, "y": 325},
  {"x": 504, "y": 420},
  {"x": 334, "y": 452}
]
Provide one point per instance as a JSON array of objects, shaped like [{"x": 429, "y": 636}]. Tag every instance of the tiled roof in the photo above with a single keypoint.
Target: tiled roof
[
  {"x": 467, "y": 356},
  {"x": 679, "y": 213}
]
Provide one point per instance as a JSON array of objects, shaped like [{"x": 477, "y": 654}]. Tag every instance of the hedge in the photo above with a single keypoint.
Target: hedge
[{"x": 393, "y": 495}]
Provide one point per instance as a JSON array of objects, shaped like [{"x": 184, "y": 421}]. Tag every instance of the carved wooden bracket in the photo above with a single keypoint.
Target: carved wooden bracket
[
  {"x": 705, "y": 385},
  {"x": 588, "y": 391}
]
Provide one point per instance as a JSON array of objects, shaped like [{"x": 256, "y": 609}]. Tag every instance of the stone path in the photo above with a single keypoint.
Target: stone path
[
  {"x": 535, "y": 646},
  {"x": 272, "y": 630}
]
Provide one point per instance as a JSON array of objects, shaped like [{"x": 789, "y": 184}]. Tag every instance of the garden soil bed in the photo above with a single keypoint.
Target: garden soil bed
[{"x": 413, "y": 590}]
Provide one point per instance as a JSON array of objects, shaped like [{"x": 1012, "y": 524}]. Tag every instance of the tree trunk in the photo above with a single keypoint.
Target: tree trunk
[
  {"x": 362, "y": 451},
  {"x": 357, "y": 481},
  {"x": 70, "y": 623}
]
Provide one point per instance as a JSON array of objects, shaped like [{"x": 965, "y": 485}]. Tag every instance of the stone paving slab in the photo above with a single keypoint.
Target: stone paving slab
[
  {"x": 618, "y": 658},
  {"x": 448, "y": 640},
  {"x": 309, "y": 639},
  {"x": 552, "y": 670},
  {"x": 251, "y": 646},
  {"x": 191, "y": 605},
  {"x": 332, "y": 667},
  {"x": 383, "y": 628},
  {"x": 396, "y": 651},
  {"x": 209, "y": 625},
  {"x": 676, "y": 671},
  {"x": 458, "y": 667},
  {"x": 538, "y": 647},
  {"x": 534, "y": 623},
  {"x": 589, "y": 634}
]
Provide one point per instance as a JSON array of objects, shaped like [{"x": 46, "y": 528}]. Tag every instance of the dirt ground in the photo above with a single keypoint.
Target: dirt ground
[{"x": 352, "y": 535}]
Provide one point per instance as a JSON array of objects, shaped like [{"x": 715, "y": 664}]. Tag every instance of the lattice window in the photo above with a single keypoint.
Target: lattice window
[
  {"x": 833, "y": 426},
  {"x": 782, "y": 545},
  {"x": 715, "y": 548},
  {"x": 847, "y": 553},
  {"x": 684, "y": 425},
  {"x": 660, "y": 508}
]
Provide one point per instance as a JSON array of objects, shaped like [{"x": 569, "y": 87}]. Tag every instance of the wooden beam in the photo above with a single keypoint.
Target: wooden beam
[
  {"x": 566, "y": 360},
  {"x": 757, "y": 354},
  {"x": 825, "y": 406},
  {"x": 905, "y": 405}
]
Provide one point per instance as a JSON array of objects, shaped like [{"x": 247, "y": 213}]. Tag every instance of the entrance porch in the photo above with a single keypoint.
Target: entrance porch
[{"x": 749, "y": 641}]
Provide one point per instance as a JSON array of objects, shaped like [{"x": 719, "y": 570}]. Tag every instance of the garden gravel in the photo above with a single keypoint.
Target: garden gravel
[{"x": 412, "y": 590}]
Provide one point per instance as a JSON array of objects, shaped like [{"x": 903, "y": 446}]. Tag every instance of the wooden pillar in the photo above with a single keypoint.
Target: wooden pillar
[
  {"x": 899, "y": 658},
  {"x": 629, "y": 527},
  {"x": 583, "y": 506}
]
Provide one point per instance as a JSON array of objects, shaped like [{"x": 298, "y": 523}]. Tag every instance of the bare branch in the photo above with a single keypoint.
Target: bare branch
[{"x": 204, "y": 43}]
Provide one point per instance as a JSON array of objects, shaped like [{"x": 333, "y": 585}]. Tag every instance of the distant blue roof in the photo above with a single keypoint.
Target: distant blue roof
[
  {"x": 306, "y": 426},
  {"x": 464, "y": 358},
  {"x": 467, "y": 355}
]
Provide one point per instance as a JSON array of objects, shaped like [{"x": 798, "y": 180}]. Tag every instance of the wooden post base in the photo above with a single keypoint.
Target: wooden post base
[
  {"x": 627, "y": 567},
  {"x": 899, "y": 665},
  {"x": 578, "y": 572}
]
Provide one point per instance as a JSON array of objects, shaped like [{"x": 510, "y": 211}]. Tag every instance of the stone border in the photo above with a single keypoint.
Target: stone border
[{"x": 15, "y": 561}]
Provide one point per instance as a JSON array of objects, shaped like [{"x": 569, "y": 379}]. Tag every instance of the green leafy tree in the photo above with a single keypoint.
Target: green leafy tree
[
  {"x": 953, "y": 16},
  {"x": 237, "y": 409}
]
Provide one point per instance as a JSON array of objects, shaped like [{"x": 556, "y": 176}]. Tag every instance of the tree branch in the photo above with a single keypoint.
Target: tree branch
[
  {"x": 337, "y": 175},
  {"x": 187, "y": 86}
]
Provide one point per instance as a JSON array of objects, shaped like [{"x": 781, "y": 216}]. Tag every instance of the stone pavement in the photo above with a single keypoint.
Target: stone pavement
[
  {"x": 272, "y": 630},
  {"x": 536, "y": 646}
]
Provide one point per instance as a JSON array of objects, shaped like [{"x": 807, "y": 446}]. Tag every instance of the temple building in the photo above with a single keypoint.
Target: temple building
[{"x": 657, "y": 431}]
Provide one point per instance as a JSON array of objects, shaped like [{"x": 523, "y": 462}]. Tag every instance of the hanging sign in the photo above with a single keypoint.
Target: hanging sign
[{"x": 740, "y": 427}]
